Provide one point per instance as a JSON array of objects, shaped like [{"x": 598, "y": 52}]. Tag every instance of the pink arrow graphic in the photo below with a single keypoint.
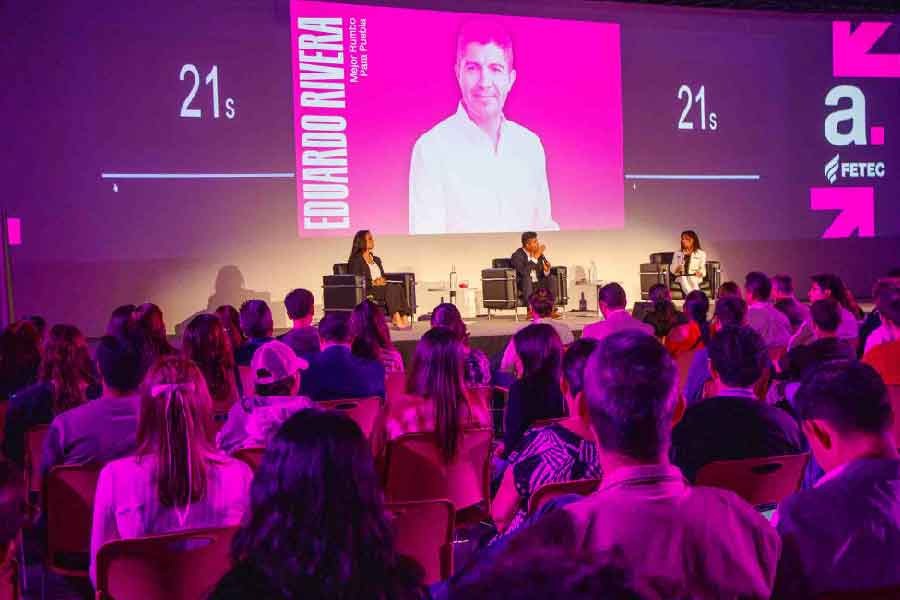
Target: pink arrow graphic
[
  {"x": 851, "y": 51},
  {"x": 856, "y": 206}
]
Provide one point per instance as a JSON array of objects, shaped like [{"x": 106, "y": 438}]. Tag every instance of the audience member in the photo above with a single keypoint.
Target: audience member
[
  {"x": 733, "y": 424},
  {"x": 536, "y": 394},
  {"x": 563, "y": 451},
  {"x": 176, "y": 480},
  {"x": 372, "y": 338},
  {"x": 206, "y": 343},
  {"x": 843, "y": 534},
  {"x": 873, "y": 319},
  {"x": 612, "y": 302},
  {"x": 477, "y": 366},
  {"x": 40, "y": 323},
  {"x": 762, "y": 316},
  {"x": 785, "y": 301},
  {"x": 303, "y": 338},
  {"x": 317, "y": 527},
  {"x": 149, "y": 334},
  {"x": 335, "y": 373},
  {"x": 120, "y": 321},
  {"x": 679, "y": 541},
  {"x": 729, "y": 289},
  {"x": 694, "y": 334},
  {"x": 542, "y": 304},
  {"x": 66, "y": 379},
  {"x": 231, "y": 321},
  {"x": 257, "y": 325},
  {"x": 825, "y": 316},
  {"x": 730, "y": 311},
  {"x": 826, "y": 286},
  {"x": 20, "y": 357},
  {"x": 662, "y": 316},
  {"x": 437, "y": 398},
  {"x": 884, "y": 292},
  {"x": 105, "y": 428},
  {"x": 254, "y": 420},
  {"x": 885, "y": 357}
]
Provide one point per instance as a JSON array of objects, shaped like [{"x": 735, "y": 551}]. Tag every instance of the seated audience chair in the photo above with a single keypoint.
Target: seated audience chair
[
  {"x": 251, "y": 456},
  {"x": 34, "y": 448},
  {"x": 68, "y": 500},
  {"x": 552, "y": 491},
  {"x": 760, "y": 481},
  {"x": 657, "y": 271},
  {"x": 178, "y": 566},
  {"x": 500, "y": 291},
  {"x": 9, "y": 572},
  {"x": 415, "y": 469},
  {"x": 424, "y": 531},
  {"x": 343, "y": 291},
  {"x": 364, "y": 411}
]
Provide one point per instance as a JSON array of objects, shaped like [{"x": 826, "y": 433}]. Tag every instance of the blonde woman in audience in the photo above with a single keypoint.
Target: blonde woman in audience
[{"x": 176, "y": 480}]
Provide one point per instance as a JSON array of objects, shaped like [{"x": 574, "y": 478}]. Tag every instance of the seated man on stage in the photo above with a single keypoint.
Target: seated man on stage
[{"x": 532, "y": 267}]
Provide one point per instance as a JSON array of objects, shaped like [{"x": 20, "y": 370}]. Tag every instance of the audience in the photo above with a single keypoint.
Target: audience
[
  {"x": 694, "y": 334},
  {"x": 679, "y": 541},
  {"x": 257, "y": 325},
  {"x": 120, "y": 321},
  {"x": 885, "y": 356},
  {"x": 40, "y": 323},
  {"x": 730, "y": 311},
  {"x": 762, "y": 316},
  {"x": 372, "y": 338},
  {"x": 176, "y": 480},
  {"x": 785, "y": 301},
  {"x": 20, "y": 357},
  {"x": 536, "y": 394},
  {"x": 825, "y": 316},
  {"x": 562, "y": 451},
  {"x": 66, "y": 379},
  {"x": 826, "y": 286},
  {"x": 734, "y": 423},
  {"x": 477, "y": 365},
  {"x": 231, "y": 321},
  {"x": 437, "y": 399},
  {"x": 729, "y": 289},
  {"x": 612, "y": 302},
  {"x": 303, "y": 338},
  {"x": 873, "y": 320},
  {"x": 335, "y": 373},
  {"x": 148, "y": 333},
  {"x": 253, "y": 421},
  {"x": 843, "y": 534},
  {"x": 663, "y": 316},
  {"x": 542, "y": 304},
  {"x": 886, "y": 331},
  {"x": 105, "y": 428},
  {"x": 317, "y": 527},
  {"x": 206, "y": 343}
]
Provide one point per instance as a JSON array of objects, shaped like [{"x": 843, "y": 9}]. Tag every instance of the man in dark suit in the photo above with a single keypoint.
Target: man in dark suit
[
  {"x": 335, "y": 373},
  {"x": 532, "y": 267}
]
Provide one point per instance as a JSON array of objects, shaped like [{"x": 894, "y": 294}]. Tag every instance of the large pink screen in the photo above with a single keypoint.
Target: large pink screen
[{"x": 393, "y": 120}]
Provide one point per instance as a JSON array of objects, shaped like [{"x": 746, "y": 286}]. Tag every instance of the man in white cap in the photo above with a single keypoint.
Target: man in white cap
[{"x": 255, "y": 419}]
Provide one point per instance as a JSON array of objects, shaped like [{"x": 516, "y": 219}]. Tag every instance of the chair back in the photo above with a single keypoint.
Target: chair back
[
  {"x": 424, "y": 531},
  {"x": 248, "y": 382},
  {"x": 251, "y": 456},
  {"x": 180, "y": 566},
  {"x": 9, "y": 572},
  {"x": 362, "y": 410},
  {"x": 552, "y": 491},
  {"x": 415, "y": 469},
  {"x": 68, "y": 500},
  {"x": 34, "y": 447},
  {"x": 481, "y": 396},
  {"x": 340, "y": 268},
  {"x": 759, "y": 481},
  {"x": 394, "y": 385},
  {"x": 501, "y": 263}
]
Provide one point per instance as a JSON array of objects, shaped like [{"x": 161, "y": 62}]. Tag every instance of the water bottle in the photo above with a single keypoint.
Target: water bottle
[
  {"x": 592, "y": 273},
  {"x": 453, "y": 277},
  {"x": 582, "y": 303}
]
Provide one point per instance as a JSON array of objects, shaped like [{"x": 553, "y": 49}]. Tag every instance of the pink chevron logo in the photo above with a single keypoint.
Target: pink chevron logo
[
  {"x": 856, "y": 206},
  {"x": 851, "y": 51}
]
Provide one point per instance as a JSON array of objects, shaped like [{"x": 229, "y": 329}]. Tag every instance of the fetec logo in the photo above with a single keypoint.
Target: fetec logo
[
  {"x": 852, "y": 170},
  {"x": 831, "y": 168}
]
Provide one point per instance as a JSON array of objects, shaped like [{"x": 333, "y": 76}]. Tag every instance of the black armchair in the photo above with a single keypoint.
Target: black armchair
[
  {"x": 657, "y": 271},
  {"x": 499, "y": 289},
  {"x": 344, "y": 291}
]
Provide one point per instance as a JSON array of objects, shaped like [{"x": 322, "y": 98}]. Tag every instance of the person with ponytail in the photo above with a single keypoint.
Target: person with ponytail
[
  {"x": 176, "y": 480},
  {"x": 66, "y": 378}
]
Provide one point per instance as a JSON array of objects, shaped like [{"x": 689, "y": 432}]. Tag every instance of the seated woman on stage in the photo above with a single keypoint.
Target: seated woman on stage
[
  {"x": 363, "y": 262},
  {"x": 689, "y": 263}
]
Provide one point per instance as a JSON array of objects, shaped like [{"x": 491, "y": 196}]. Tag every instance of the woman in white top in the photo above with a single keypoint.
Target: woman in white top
[
  {"x": 689, "y": 263},
  {"x": 176, "y": 480}
]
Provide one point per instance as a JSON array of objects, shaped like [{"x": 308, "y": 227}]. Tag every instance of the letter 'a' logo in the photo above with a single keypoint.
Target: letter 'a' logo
[{"x": 831, "y": 168}]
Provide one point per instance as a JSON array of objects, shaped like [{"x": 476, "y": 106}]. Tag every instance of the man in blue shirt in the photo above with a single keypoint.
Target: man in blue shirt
[{"x": 335, "y": 373}]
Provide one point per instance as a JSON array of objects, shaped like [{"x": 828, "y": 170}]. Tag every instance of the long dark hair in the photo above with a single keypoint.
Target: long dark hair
[
  {"x": 540, "y": 350},
  {"x": 20, "y": 355},
  {"x": 696, "y": 307},
  {"x": 317, "y": 526},
  {"x": 206, "y": 343},
  {"x": 359, "y": 243},
  {"x": 438, "y": 375},
  {"x": 694, "y": 237},
  {"x": 369, "y": 331},
  {"x": 120, "y": 320},
  {"x": 67, "y": 367},
  {"x": 149, "y": 333},
  {"x": 231, "y": 321},
  {"x": 446, "y": 315}
]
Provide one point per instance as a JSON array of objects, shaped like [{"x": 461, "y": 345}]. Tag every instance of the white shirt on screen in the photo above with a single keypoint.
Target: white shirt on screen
[{"x": 458, "y": 183}]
